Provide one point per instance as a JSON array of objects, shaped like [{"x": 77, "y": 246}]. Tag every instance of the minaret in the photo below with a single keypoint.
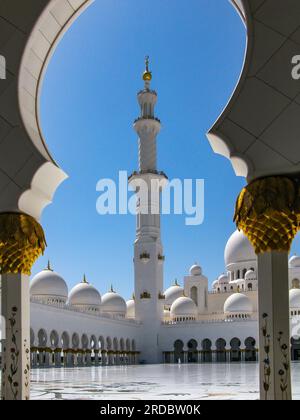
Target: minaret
[{"x": 148, "y": 250}]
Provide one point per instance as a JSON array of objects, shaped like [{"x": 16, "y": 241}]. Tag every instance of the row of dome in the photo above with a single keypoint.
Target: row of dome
[{"x": 52, "y": 287}]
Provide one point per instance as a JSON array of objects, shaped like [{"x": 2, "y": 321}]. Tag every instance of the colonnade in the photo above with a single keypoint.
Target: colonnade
[{"x": 44, "y": 357}]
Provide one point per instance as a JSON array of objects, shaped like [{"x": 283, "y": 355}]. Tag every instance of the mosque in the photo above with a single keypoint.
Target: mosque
[{"x": 185, "y": 323}]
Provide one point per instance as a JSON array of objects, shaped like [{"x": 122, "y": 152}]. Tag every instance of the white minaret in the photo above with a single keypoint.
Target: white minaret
[{"x": 148, "y": 250}]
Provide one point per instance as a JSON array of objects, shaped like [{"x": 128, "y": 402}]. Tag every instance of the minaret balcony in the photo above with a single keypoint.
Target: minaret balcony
[{"x": 147, "y": 126}]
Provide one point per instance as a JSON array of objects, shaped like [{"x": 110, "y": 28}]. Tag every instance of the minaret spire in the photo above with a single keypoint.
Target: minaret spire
[{"x": 147, "y": 75}]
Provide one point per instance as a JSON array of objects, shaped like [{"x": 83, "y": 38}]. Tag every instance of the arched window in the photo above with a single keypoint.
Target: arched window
[
  {"x": 238, "y": 274},
  {"x": 194, "y": 294},
  {"x": 244, "y": 272},
  {"x": 250, "y": 287}
]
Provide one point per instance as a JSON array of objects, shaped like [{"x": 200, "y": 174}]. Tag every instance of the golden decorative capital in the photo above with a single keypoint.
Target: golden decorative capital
[
  {"x": 268, "y": 212},
  {"x": 22, "y": 241}
]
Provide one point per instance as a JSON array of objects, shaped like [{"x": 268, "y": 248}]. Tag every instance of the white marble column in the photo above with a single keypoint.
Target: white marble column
[
  {"x": 274, "y": 335},
  {"x": 15, "y": 309}
]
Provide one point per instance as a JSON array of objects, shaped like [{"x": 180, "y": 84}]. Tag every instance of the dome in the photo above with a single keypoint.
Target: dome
[
  {"x": 238, "y": 249},
  {"x": 223, "y": 279},
  {"x": 295, "y": 299},
  {"x": 215, "y": 284},
  {"x": 48, "y": 283},
  {"x": 113, "y": 303},
  {"x": 238, "y": 303},
  {"x": 294, "y": 261},
  {"x": 130, "y": 312},
  {"x": 173, "y": 293},
  {"x": 250, "y": 275},
  {"x": 195, "y": 270},
  {"x": 84, "y": 294},
  {"x": 184, "y": 307}
]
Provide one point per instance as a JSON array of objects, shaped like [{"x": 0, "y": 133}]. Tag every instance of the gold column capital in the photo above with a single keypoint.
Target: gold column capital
[
  {"x": 22, "y": 241},
  {"x": 268, "y": 212}
]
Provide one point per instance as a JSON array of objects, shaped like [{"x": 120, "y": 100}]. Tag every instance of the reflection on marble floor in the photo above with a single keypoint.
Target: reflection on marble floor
[{"x": 153, "y": 382}]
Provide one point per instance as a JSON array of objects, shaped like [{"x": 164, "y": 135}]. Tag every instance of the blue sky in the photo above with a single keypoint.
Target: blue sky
[{"x": 88, "y": 105}]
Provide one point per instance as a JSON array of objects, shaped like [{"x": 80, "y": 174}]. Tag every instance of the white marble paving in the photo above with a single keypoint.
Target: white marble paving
[{"x": 153, "y": 382}]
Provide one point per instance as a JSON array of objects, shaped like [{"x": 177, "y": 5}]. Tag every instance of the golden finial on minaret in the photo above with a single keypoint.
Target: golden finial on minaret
[{"x": 147, "y": 76}]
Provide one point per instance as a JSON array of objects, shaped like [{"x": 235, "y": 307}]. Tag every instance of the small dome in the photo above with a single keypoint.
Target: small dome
[
  {"x": 184, "y": 307},
  {"x": 130, "y": 312},
  {"x": 238, "y": 303},
  {"x": 113, "y": 303},
  {"x": 215, "y": 284},
  {"x": 195, "y": 270},
  {"x": 48, "y": 283},
  {"x": 223, "y": 279},
  {"x": 250, "y": 275},
  {"x": 294, "y": 261},
  {"x": 173, "y": 293},
  {"x": 84, "y": 294},
  {"x": 238, "y": 249},
  {"x": 295, "y": 299}
]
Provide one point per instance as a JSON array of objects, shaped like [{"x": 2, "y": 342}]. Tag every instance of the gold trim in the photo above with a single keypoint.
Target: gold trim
[
  {"x": 22, "y": 241},
  {"x": 268, "y": 212}
]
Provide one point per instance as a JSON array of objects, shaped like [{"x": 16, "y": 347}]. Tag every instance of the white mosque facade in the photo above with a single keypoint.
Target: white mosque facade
[{"x": 187, "y": 324}]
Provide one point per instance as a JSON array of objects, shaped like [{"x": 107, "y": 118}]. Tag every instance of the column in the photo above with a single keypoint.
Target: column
[
  {"x": 57, "y": 357},
  {"x": 46, "y": 358},
  {"x": 214, "y": 355},
  {"x": 22, "y": 241},
  {"x": 16, "y": 350},
  {"x": 274, "y": 328},
  {"x": 103, "y": 358},
  {"x": 88, "y": 359},
  {"x": 96, "y": 352}
]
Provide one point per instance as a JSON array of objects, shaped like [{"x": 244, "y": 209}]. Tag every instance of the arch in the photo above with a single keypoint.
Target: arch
[
  {"x": 221, "y": 350},
  {"x": 235, "y": 351},
  {"x": 108, "y": 343},
  {"x": 32, "y": 337},
  {"x": 54, "y": 339},
  {"x": 115, "y": 343},
  {"x": 101, "y": 342},
  {"x": 42, "y": 338},
  {"x": 75, "y": 341},
  {"x": 65, "y": 340},
  {"x": 122, "y": 344},
  {"x": 178, "y": 351},
  {"x": 84, "y": 341},
  {"x": 296, "y": 284},
  {"x": 295, "y": 348},
  {"x": 250, "y": 350},
  {"x": 206, "y": 351},
  {"x": 93, "y": 342},
  {"x": 133, "y": 345},
  {"x": 194, "y": 294},
  {"x": 250, "y": 287},
  {"x": 127, "y": 344},
  {"x": 192, "y": 346}
]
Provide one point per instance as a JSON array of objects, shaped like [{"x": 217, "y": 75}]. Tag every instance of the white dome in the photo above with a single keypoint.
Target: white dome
[
  {"x": 112, "y": 302},
  {"x": 238, "y": 249},
  {"x": 250, "y": 275},
  {"x": 215, "y": 284},
  {"x": 173, "y": 293},
  {"x": 48, "y": 283},
  {"x": 130, "y": 312},
  {"x": 223, "y": 279},
  {"x": 184, "y": 307},
  {"x": 238, "y": 303},
  {"x": 84, "y": 294},
  {"x": 195, "y": 270},
  {"x": 295, "y": 299},
  {"x": 294, "y": 261}
]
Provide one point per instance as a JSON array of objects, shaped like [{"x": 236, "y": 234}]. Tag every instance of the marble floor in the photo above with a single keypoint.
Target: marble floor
[{"x": 153, "y": 382}]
